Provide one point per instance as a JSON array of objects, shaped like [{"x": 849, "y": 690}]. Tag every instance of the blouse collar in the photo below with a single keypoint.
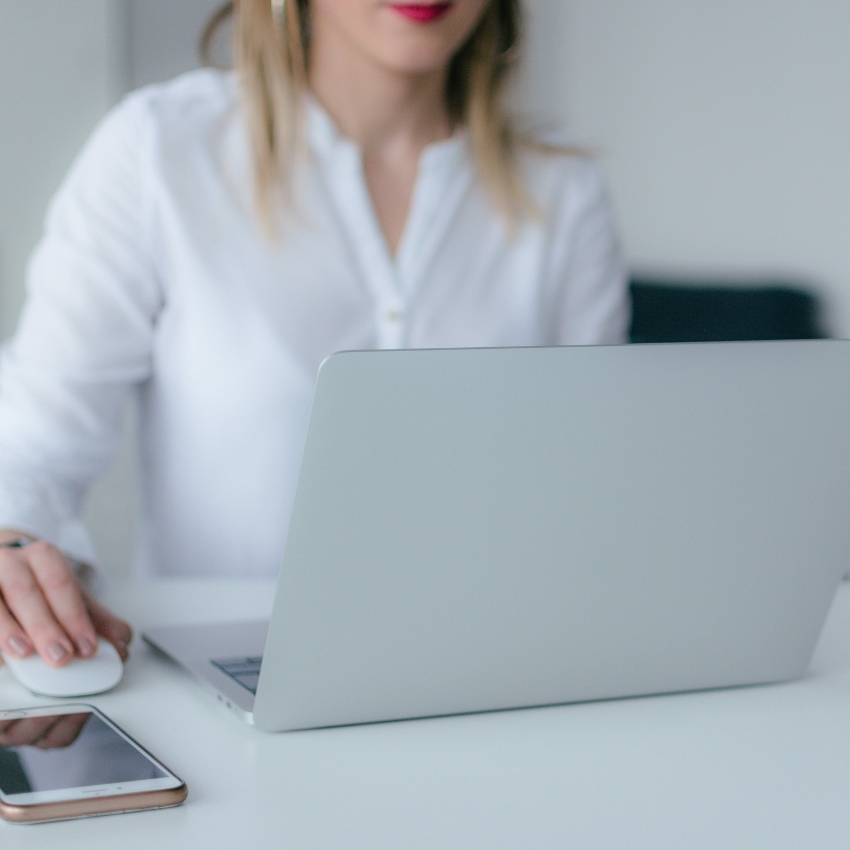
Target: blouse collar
[{"x": 326, "y": 140}]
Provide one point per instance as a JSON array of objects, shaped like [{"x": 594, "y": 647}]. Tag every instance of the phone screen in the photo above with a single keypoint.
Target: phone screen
[{"x": 59, "y": 751}]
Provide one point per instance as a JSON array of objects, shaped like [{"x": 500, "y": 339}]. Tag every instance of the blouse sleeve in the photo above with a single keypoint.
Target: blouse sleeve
[
  {"x": 85, "y": 334},
  {"x": 590, "y": 275}
]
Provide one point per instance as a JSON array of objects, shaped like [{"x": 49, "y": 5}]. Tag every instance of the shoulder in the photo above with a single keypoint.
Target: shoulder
[
  {"x": 161, "y": 129},
  {"x": 185, "y": 108},
  {"x": 189, "y": 102},
  {"x": 206, "y": 91},
  {"x": 561, "y": 174},
  {"x": 165, "y": 123}
]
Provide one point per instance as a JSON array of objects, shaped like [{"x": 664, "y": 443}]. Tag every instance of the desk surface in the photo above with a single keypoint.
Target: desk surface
[{"x": 765, "y": 767}]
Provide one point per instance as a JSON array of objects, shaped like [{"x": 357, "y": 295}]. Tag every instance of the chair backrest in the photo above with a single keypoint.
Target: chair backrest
[{"x": 670, "y": 311}]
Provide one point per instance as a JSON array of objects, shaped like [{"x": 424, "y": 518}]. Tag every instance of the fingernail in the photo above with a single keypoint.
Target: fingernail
[
  {"x": 56, "y": 651},
  {"x": 19, "y": 646},
  {"x": 86, "y": 647}
]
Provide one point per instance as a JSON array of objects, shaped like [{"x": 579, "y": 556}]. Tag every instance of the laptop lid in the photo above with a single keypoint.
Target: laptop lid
[{"x": 493, "y": 528}]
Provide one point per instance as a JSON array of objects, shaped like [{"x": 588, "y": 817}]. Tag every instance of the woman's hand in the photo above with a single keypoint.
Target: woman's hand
[{"x": 44, "y": 608}]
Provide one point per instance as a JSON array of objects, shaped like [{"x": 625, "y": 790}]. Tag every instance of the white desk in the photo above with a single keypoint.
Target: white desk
[{"x": 764, "y": 767}]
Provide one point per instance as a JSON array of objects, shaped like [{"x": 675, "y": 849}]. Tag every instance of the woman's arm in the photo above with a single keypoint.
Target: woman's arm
[
  {"x": 590, "y": 277},
  {"x": 84, "y": 340}
]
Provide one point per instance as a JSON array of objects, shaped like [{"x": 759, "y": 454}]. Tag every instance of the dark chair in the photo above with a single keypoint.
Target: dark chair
[{"x": 666, "y": 311}]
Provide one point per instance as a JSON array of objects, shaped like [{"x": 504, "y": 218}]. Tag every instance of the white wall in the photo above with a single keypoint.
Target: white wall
[
  {"x": 164, "y": 37},
  {"x": 60, "y": 69},
  {"x": 725, "y": 129}
]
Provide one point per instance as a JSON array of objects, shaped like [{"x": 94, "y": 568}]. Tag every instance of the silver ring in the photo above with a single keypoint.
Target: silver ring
[{"x": 18, "y": 543}]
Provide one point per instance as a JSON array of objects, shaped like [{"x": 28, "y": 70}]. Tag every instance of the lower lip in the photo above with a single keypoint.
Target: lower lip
[{"x": 421, "y": 14}]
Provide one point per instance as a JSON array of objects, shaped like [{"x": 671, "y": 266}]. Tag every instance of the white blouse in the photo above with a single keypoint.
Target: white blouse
[{"x": 154, "y": 281}]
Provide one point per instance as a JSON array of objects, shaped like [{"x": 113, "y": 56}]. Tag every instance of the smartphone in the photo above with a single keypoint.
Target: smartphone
[{"x": 70, "y": 761}]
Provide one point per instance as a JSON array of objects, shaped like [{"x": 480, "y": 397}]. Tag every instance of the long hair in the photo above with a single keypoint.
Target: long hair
[{"x": 271, "y": 54}]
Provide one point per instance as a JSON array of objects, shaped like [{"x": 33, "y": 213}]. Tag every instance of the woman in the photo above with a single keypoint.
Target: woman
[{"x": 356, "y": 184}]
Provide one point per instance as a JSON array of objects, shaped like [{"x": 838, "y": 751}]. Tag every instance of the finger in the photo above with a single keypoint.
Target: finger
[
  {"x": 60, "y": 588},
  {"x": 27, "y": 730},
  {"x": 38, "y": 737},
  {"x": 13, "y": 639},
  {"x": 25, "y": 600},
  {"x": 114, "y": 629},
  {"x": 64, "y": 732}
]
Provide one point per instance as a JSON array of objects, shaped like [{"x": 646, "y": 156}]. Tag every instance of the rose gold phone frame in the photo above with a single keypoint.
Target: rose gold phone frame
[{"x": 80, "y": 808}]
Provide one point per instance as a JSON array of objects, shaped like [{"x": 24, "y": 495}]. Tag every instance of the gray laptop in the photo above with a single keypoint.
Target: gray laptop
[{"x": 494, "y": 528}]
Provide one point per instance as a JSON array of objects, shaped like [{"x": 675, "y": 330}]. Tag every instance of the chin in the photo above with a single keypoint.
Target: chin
[{"x": 416, "y": 58}]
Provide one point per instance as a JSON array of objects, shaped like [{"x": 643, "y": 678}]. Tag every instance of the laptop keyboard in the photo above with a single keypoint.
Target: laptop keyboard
[{"x": 244, "y": 670}]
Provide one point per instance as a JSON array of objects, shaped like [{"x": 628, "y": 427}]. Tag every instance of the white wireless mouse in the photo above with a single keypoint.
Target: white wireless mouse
[{"x": 80, "y": 678}]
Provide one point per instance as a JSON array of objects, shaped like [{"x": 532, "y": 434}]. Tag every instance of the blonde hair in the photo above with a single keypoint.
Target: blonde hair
[{"x": 271, "y": 55}]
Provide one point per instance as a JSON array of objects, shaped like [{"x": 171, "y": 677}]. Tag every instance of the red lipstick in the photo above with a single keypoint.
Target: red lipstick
[{"x": 421, "y": 13}]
